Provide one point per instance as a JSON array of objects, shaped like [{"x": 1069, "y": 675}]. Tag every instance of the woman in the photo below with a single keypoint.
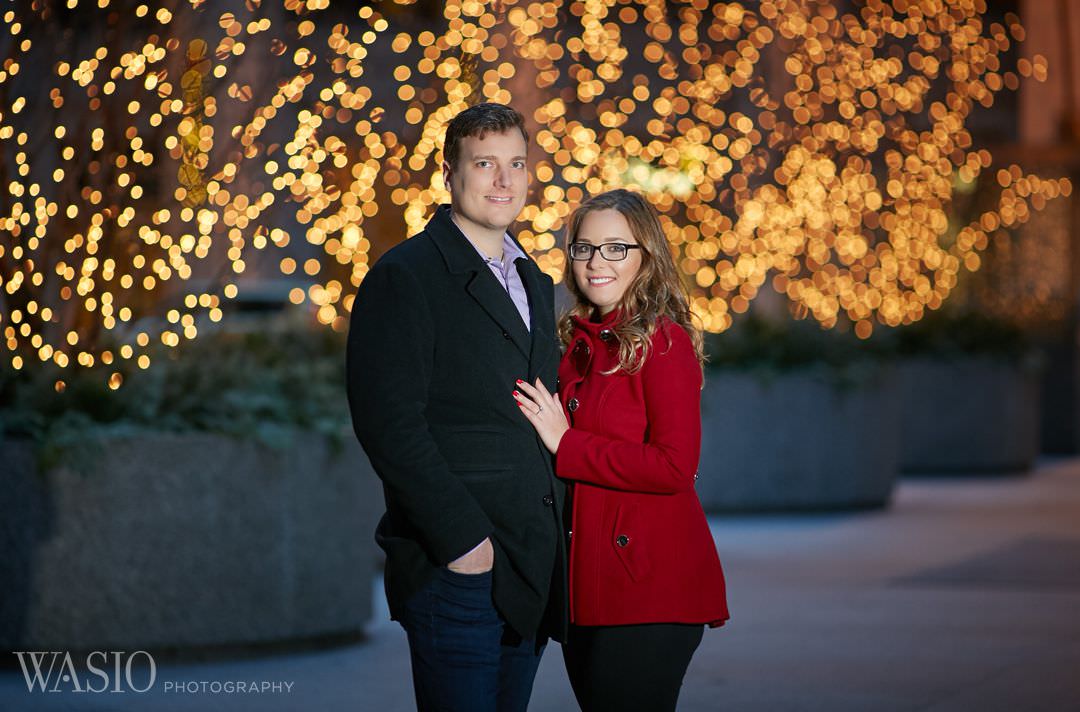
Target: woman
[{"x": 644, "y": 574}]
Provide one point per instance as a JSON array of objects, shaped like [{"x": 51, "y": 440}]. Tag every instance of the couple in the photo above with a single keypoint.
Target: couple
[{"x": 515, "y": 515}]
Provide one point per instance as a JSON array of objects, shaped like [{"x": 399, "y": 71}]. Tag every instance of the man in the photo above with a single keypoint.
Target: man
[{"x": 442, "y": 328}]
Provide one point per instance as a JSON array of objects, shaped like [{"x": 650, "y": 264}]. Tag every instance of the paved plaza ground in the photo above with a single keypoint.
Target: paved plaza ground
[{"x": 963, "y": 595}]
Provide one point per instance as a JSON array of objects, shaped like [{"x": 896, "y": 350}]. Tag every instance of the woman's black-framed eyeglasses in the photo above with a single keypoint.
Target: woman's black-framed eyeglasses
[{"x": 610, "y": 251}]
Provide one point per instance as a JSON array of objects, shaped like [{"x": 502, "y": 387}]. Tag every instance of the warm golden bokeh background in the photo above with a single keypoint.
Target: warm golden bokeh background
[{"x": 156, "y": 156}]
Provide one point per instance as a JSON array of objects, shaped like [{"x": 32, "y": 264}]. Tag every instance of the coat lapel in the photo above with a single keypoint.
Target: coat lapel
[
  {"x": 493, "y": 299},
  {"x": 541, "y": 313},
  {"x": 461, "y": 258}
]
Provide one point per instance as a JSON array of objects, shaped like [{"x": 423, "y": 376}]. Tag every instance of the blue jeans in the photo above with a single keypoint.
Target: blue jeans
[{"x": 464, "y": 656}]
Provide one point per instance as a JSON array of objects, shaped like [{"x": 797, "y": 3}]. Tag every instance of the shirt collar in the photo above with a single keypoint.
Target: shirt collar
[{"x": 511, "y": 251}]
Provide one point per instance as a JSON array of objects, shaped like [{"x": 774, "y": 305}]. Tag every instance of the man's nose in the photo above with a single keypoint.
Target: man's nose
[{"x": 502, "y": 177}]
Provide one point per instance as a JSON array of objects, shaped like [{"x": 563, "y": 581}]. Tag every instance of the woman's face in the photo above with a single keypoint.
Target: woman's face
[{"x": 604, "y": 282}]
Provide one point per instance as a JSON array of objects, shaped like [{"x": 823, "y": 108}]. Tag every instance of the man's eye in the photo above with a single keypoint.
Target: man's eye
[
  {"x": 519, "y": 164},
  {"x": 483, "y": 164}
]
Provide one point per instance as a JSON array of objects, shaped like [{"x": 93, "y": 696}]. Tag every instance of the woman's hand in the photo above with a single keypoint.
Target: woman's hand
[{"x": 544, "y": 411}]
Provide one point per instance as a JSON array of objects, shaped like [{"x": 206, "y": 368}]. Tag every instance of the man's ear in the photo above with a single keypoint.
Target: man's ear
[{"x": 446, "y": 175}]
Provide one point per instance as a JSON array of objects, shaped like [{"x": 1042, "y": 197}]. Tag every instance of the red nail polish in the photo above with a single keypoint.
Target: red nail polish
[{"x": 516, "y": 394}]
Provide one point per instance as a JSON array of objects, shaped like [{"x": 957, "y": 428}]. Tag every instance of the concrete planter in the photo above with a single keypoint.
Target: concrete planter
[
  {"x": 969, "y": 415},
  {"x": 185, "y": 541},
  {"x": 797, "y": 442}
]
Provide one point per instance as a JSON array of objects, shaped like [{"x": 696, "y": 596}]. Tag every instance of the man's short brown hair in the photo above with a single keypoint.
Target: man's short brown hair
[{"x": 480, "y": 120}]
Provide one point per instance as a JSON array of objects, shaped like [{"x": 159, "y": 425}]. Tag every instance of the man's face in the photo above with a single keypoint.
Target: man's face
[{"x": 489, "y": 183}]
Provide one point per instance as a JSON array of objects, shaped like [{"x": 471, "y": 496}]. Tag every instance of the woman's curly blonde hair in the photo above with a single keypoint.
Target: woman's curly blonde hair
[{"x": 656, "y": 292}]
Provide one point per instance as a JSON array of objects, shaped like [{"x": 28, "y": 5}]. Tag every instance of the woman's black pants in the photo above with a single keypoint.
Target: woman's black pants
[{"x": 629, "y": 668}]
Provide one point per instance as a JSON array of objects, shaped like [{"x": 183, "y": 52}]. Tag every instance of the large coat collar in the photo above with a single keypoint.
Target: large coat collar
[
  {"x": 462, "y": 258},
  {"x": 456, "y": 251}
]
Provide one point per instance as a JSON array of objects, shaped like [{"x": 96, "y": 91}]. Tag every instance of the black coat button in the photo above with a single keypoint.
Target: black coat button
[
  {"x": 572, "y": 405},
  {"x": 548, "y": 500},
  {"x": 606, "y": 335},
  {"x": 506, "y": 334},
  {"x": 622, "y": 540}
]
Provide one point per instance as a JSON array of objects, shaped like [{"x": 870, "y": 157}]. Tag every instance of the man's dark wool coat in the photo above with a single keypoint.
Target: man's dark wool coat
[{"x": 435, "y": 347}]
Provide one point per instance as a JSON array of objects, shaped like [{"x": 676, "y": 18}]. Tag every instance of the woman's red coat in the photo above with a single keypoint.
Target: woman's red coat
[{"x": 640, "y": 548}]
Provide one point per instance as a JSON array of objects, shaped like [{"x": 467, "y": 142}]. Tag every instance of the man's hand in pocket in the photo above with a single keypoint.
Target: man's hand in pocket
[{"x": 478, "y": 561}]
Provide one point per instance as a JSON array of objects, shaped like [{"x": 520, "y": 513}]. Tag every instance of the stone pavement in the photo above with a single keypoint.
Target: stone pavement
[{"x": 963, "y": 595}]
